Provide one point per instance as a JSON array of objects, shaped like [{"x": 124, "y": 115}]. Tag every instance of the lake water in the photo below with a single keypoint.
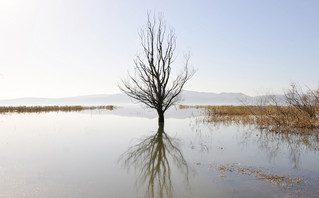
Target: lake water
[{"x": 124, "y": 153}]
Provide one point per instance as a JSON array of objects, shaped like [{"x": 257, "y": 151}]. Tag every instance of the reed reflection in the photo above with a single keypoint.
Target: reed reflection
[
  {"x": 269, "y": 142},
  {"x": 153, "y": 159},
  {"x": 295, "y": 144}
]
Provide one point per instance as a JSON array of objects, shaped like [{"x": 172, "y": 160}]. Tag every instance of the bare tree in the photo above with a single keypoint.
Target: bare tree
[{"x": 152, "y": 83}]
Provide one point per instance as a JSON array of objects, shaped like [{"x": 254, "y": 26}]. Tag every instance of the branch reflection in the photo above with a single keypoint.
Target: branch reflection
[{"x": 152, "y": 159}]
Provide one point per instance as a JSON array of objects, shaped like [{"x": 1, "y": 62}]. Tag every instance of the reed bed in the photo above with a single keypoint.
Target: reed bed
[
  {"x": 271, "y": 117},
  {"x": 38, "y": 109}
]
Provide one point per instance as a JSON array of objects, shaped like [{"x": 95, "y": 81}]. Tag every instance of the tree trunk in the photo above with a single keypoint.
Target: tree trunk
[
  {"x": 160, "y": 128},
  {"x": 160, "y": 116}
]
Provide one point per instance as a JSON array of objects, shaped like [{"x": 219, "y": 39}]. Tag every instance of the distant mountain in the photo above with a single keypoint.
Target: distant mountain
[
  {"x": 189, "y": 97},
  {"x": 208, "y": 98},
  {"x": 100, "y": 99}
]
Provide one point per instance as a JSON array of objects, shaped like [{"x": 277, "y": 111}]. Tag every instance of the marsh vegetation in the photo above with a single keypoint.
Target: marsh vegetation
[
  {"x": 38, "y": 109},
  {"x": 297, "y": 112}
]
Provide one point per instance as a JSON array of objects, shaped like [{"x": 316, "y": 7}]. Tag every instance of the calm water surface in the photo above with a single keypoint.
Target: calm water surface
[{"x": 124, "y": 153}]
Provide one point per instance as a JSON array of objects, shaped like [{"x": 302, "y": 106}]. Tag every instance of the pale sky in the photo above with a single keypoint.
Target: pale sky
[{"x": 62, "y": 48}]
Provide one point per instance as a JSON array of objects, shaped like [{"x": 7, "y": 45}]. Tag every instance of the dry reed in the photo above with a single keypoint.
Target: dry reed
[
  {"x": 271, "y": 117},
  {"x": 38, "y": 109}
]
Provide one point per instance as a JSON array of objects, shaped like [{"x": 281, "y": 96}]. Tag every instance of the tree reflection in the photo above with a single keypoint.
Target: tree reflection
[{"x": 152, "y": 159}]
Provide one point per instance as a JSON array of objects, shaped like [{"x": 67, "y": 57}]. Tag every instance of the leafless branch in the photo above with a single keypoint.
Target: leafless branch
[{"x": 152, "y": 83}]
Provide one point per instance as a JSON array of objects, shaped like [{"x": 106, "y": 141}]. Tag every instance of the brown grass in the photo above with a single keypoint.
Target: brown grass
[
  {"x": 271, "y": 117},
  {"x": 38, "y": 109}
]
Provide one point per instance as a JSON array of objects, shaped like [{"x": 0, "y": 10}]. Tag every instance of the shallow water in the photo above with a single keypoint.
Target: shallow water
[{"x": 124, "y": 153}]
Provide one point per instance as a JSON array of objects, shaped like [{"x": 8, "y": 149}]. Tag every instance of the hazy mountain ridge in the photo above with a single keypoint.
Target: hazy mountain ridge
[
  {"x": 209, "y": 98},
  {"x": 188, "y": 98}
]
